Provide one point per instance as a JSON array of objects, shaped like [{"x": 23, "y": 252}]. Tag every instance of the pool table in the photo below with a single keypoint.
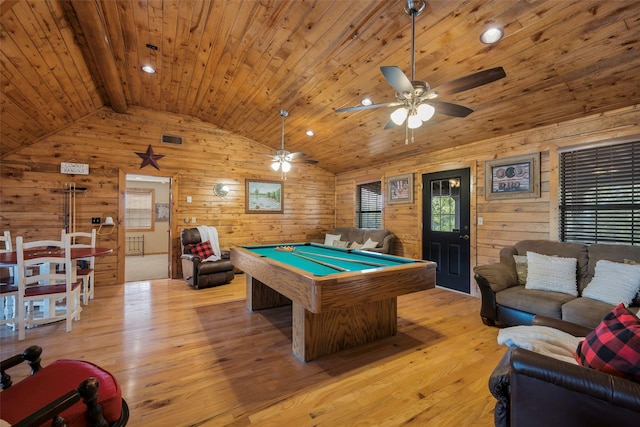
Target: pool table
[{"x": 340, "y": 298}]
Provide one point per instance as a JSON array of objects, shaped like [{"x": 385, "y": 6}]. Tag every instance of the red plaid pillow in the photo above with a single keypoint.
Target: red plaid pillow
[
  {"x": 614, "y": 345},
  {"x": 202, "y": 249}
]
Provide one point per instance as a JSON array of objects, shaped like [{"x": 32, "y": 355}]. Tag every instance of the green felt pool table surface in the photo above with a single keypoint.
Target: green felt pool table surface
[{"x": 317, "y": 259}]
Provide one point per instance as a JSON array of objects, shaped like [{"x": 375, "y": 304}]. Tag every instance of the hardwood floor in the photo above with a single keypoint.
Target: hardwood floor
[{"x": 188, "y": 357}]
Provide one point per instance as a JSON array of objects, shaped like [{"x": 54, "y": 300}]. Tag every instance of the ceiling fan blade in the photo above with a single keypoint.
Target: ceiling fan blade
[
  {"x": 468, "y": 82},
  {"x": 450, "y": 109},
  {"x": 398, "y": 80},
  {"x": 293, "y": 156},
  {"x": 366, "y": 107}
]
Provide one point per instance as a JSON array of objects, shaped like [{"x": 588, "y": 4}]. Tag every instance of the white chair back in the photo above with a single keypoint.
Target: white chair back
[
  {"x": 85, "y": 267},
  {"x": 41, "y": 282}
]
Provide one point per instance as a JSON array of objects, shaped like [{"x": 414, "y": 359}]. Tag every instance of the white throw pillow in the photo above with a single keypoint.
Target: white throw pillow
[
  {"x": 551, "y": 273},
  {"x": 355, "y": 245},
  {"x": 614, "y": 283},
  {"x": 369, "y": 244},
  {"x": 340, "y": 244},
  {"x": 329, "y": 238}
]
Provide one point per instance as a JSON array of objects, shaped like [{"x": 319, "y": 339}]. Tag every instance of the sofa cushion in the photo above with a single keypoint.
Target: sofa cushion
[
  {"x": 551, "y": 273},
  {"x": 585, "y": 311},
  {"x": 614, "y": 345},
  {"x": 545, "y": 303},
  {"x": 614, "y": 283}
]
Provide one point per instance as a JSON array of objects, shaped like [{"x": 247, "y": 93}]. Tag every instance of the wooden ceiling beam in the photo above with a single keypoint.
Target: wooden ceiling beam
[{"x": 93, "y": 27}]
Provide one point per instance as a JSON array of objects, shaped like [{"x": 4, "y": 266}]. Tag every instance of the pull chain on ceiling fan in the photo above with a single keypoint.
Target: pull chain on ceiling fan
[
  {"x": 415, "y": 100},
  {"x": 282, "y": 159}
]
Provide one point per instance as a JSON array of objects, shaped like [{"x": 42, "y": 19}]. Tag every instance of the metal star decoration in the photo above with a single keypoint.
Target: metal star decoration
[{"x": 149, "y": 158}]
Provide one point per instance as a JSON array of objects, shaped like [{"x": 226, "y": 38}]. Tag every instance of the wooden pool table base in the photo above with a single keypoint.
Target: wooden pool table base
[{"x": 318, "y": 334}]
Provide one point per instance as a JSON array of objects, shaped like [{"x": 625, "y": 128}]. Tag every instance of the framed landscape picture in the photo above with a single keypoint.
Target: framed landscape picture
[
  {"x": 263, "y": 196},
  {"x": 400, "y": 189},
  {"x": 512, "y": 178}
]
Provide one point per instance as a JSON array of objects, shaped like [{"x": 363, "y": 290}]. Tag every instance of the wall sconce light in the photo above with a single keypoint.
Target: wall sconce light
[{"x": 221, "y": 190}]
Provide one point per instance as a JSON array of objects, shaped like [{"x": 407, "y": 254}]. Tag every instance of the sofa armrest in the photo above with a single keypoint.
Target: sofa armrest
[
  {"x": 498, "y": 276},
  {"x": 550, "y": 392},
  {"x": 562, "y": 325}
]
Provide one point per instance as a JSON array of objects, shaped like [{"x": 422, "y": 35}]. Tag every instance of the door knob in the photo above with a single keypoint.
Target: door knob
[{"x": 465, "y": 237}]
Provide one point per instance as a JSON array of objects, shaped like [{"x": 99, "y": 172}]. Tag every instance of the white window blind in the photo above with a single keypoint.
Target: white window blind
[
  {"x": 139, "y": 209},
  {"x": 600, "y": 194}
]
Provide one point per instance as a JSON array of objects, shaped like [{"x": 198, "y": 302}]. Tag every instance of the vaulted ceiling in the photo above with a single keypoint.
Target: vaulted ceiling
[{"x": 236, "y": 63}]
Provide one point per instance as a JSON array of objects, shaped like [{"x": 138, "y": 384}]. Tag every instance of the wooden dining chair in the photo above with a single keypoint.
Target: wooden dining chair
[
  {"x": 8, "y": 287},
  {"x": 59, "y": 289},
  {"x": 84, "y": 266}
]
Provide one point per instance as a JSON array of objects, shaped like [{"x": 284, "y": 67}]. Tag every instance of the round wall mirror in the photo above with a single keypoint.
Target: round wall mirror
[{"x": 221, "y": 190}]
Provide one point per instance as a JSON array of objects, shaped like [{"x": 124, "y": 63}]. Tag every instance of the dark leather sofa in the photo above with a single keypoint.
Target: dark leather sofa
[
  {"x": 535, "y": 390},
  {"x": 201, "y": 274}
]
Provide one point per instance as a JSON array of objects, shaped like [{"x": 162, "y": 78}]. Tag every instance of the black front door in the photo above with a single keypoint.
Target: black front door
[{"x": 445, "y": 226}]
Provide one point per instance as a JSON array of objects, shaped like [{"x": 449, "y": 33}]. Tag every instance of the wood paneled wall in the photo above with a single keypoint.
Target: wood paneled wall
[
  {"x": 31, "y": 189},
  {"x": 504, "y": 221}
]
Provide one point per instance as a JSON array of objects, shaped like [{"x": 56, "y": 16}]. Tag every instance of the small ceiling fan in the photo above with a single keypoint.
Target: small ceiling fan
[
  {"x": 282, "y": 159},
  {"x": 415, "y": 99}
]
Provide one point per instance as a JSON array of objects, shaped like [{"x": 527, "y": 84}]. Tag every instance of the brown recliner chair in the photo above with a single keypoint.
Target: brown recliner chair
[
  {"x": 536, "y": 390},
  {"x": 201, "y": 274}
]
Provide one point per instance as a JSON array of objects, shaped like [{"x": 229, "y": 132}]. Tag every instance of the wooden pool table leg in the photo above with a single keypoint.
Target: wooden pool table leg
[
  {"x": 317, "y": 334},
  {"x": 260, "y": 296}
]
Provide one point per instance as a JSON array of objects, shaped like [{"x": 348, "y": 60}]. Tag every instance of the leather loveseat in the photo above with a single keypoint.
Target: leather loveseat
[
  {"x": 201, "y": 274},
  {"x": 383, "y": 238},
  {"x": 536, "y": 390},
  {"x": 506, "y": 301}
]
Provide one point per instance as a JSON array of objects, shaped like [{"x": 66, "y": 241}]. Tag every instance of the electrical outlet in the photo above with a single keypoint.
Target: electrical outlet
[{"x": 95, "y": 220}]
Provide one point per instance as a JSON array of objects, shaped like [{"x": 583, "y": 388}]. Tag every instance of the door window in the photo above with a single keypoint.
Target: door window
[{"x": 445, "y": 205}]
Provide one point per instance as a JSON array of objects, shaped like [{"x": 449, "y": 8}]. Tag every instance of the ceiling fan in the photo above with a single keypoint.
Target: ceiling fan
[
  {"x": 415, "y": 99},
  {"x": 282, "y": 159}
]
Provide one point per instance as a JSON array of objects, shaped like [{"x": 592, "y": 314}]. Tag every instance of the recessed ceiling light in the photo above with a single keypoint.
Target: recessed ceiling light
[
  {"x": 148, "y": 69},
  {"x": 366, "y": 101},
  {"x": 309, "y": 133},
  {"x": 491, "y": 35}
]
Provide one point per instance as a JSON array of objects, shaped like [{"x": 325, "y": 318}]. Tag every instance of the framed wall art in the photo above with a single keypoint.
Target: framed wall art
[
  {"x": 400, "y": 189},
  {"x": 512, "y": 178},
  {"x": 264, "y": 196}
]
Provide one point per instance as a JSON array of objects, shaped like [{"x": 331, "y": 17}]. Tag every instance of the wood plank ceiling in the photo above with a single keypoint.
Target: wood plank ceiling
[{"x": 236, "y": 63}]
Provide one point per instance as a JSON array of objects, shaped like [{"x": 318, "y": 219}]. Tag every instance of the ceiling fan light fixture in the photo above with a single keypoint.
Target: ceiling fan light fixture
[
  {"x": 425, "y": 112},
  {"x": 414, "y": 121},
  {"x": 275, "y": 166},
  {"x": 491, "y": 35},
  {"x": 286, "y": 166},
  {"x": 398, "y": 117}
]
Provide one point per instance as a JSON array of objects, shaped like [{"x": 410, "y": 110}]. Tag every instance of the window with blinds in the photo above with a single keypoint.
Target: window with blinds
[
  {"x": 600, "y": 195},
  {"x": 369, "y": 205},
  {"x": 139, "y": 209}
]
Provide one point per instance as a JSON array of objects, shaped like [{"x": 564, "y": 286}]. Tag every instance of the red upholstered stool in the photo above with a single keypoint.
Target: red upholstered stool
[{"x": 49, "y": 383}]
